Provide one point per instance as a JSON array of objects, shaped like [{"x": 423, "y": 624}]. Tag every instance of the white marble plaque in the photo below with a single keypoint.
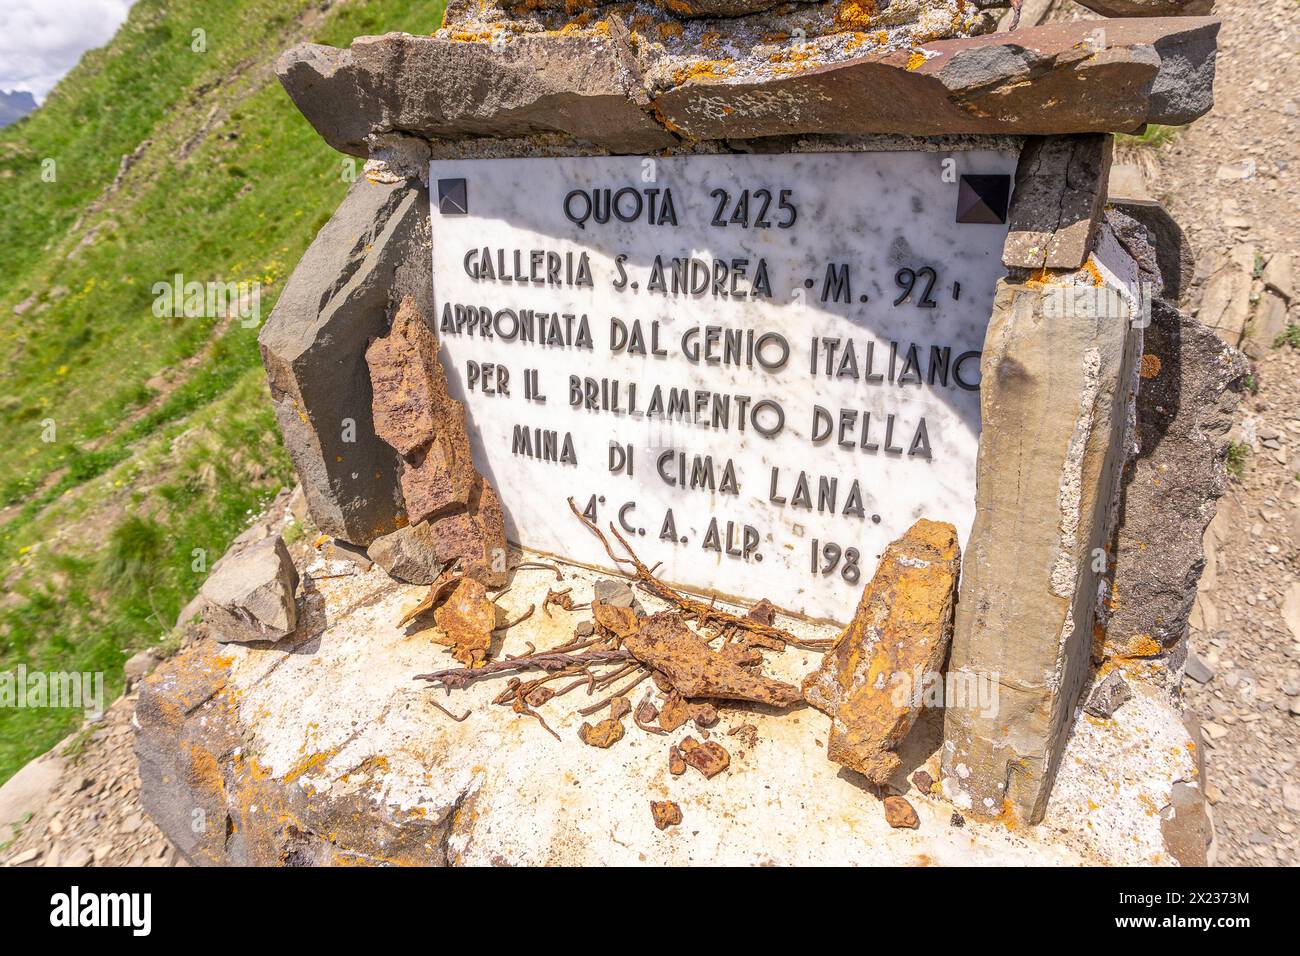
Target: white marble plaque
[{"x": 762, "y": 369}]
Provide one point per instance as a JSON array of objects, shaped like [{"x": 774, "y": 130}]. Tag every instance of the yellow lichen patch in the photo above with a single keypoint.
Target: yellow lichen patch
[
  {"x": 856, "y": 15},
  {"x": 916, "y": 60},
  {"x": 703, "y": 71},
  {"x": 1008, "y": 817},
  {"x": 308, "y": 764},
  {"x": 472, "y": 36},
  {"x": 1039, "y": 278},
  {"x": 577, "y": 23},
  {"x": 1150, "y": 365},
  {"x": 795, "y": 60},
  {"x": 1143, "y": 645},
  {"x": 669, "y": 30},
  {"x": 1090, "y": 267},
  {"x": 859, "y": 40}
]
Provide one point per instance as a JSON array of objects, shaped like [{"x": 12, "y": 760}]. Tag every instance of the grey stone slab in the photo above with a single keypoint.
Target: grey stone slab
[
  {"x": 342, "y": 293},
  {"x": 1055, "y": 396}
]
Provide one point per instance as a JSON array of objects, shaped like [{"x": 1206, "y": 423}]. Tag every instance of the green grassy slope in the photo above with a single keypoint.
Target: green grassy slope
[{"x": 133, "y": 441}]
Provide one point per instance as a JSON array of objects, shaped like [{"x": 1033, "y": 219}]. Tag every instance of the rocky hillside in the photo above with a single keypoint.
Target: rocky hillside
[{"x": 139, "y": 440}]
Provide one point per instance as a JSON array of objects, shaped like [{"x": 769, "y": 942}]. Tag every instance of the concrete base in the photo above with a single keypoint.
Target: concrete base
[{"x": 322, "y": 750}]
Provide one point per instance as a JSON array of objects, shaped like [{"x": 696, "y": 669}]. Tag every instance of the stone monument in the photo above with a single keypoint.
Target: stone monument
[{"x": 756, "y": 286}]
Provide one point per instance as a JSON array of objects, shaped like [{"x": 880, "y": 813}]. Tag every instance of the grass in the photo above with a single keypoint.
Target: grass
[
  {"x": 138, "y": 446},
  {"x": 1289, "y": 337},
  {"x": 1237, "y": 454},
  {"x": 1153, "y": 136}
]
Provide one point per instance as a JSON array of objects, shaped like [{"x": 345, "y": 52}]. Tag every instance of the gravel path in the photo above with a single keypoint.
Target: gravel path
[{"x": 1230, "y": 180}]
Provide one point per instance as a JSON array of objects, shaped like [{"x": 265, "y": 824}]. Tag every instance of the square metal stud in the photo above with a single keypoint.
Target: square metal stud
[
  {"x": 453, "y": 197},
  {"x": 983, "y": 199}
]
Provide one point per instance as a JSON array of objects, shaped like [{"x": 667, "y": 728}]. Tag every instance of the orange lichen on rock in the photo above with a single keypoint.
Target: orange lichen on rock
[
  {"x": 916, "y": 60},
  {"x": 794, "y": 61},
  {"x": 577, "y": 24},
  {"x": 858, "y": 40},
  {"x": 868, "y": 682},
  {"x": 472, "y": 36},
  {"x": 1150, "y": 365},
  {"x": 703, "y": 70},
  {"x": 856, "y": 15},
  {"x": 669, "y": 29}
]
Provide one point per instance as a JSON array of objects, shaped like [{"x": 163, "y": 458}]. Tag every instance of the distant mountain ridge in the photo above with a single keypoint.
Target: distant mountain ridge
[{"x": 14, "y": 105}]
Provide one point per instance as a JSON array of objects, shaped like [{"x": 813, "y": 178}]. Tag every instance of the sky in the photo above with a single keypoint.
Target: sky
[{"x": 40, "y": 40}]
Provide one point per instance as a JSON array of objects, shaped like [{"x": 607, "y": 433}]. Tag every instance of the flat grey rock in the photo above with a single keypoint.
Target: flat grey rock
[
  {"x": 342, "y": 294},
  {"x": 1198, "y": 670},
  {"x": 1108, "y": 695},
  {"x": 250, "y": 596}
]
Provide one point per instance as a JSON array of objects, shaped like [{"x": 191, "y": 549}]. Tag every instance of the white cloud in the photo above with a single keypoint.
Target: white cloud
[{"x": 40, "y": 40}]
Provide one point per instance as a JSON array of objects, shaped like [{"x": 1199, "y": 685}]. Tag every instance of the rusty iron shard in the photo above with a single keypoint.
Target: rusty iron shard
[
  {"x": 665, "y": 813},
  {"x": 617, "y": 621},
  {"x": 709, "y": 758},
  {"x": 707, "y": 615},
  {"x": 664, "y": 642},
  {"x": 416, "y": 415},
  {"x": 465, "y": 621},
  {"x": 900, "y": 632},
  {"x": 603, "y": 735},
  {"x": 900, "y": 814},
  {"x": 456, "y": 677}
]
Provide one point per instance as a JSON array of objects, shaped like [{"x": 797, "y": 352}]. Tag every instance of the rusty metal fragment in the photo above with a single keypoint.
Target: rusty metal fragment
[
  {"x": 646, "y": 714},
  {"x": 663, "y": 642},
  {"x": 415, "y": 414},
  {"x": 465, "y": 621},
  {"x": 709, "y": 758},
  {"x": 610, "y": 619},
  {"x": 666, "y": 813},
  {"x": 900, "y": 814},
  {"x": 704, "y": 714},
  {"x": 674, "y": 713},
  {"x": 742, "y": 654},
  {"x": 764, "y": 612},
  {"x": 676, "y": 765},
  {"x": 603, "y": 735},
  {"x": 898, "y": 639}
]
